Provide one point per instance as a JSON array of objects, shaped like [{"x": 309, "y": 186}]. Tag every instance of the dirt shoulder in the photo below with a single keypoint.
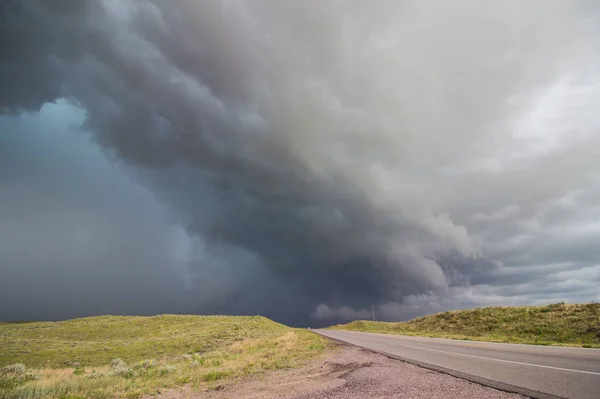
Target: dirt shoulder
[{"x": 348, "y": 373}]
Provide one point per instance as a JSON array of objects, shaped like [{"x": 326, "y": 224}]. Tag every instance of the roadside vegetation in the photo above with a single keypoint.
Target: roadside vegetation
[
  {"x": 131, "y": 357},
  {"x": 557, "y": 324}
]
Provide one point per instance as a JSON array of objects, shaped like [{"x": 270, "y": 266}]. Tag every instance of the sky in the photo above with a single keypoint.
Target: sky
[{"x": 307, "y": 162}]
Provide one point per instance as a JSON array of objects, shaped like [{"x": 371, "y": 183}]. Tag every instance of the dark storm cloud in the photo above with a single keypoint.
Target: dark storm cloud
[{"x": 326, "y": 159}]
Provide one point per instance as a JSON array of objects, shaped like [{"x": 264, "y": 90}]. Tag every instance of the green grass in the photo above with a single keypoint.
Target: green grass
[
  {"x": 130, "y": 357},
  {"x": 94, "y": 341},
  {"x": 557, "y": 324}
]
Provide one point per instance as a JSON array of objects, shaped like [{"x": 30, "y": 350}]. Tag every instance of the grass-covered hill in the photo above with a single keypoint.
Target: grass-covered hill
[
  {"x": 119, "y": 356},
  {"x": 94, "y": 341},
  {"x": 557, "y": 324}
]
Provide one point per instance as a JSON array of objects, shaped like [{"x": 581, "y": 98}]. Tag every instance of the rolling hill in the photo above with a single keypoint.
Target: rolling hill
[
  {"x": 557, "y": 324},
  {"x": 131, "y": 357}
]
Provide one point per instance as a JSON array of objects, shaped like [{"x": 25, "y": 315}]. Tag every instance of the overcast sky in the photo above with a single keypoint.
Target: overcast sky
[{"x": 297, "y": 160}]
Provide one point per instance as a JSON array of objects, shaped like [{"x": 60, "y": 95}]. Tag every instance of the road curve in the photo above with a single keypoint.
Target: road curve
[{"x": 538, "y": 371}]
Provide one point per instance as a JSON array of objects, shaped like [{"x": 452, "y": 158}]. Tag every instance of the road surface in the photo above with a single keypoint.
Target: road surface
[{"x": 537, "y": 371}]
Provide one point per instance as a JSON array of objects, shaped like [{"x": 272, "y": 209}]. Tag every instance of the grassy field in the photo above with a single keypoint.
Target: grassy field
[
  {"x": 130, "y": 357},
  {"x": 558, "y": 324}
]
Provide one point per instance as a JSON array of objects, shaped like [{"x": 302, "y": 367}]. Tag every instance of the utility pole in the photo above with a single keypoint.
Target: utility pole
[{"x": 373, "y": 311}]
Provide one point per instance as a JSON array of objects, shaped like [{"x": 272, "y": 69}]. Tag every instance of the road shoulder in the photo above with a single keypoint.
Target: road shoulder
[{"x": 348, "y": 373}]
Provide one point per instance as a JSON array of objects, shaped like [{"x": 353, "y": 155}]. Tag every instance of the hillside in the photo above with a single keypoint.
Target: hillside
[
  {"x": 118, "y": 356},
  {"x": 557, "y": 324}
]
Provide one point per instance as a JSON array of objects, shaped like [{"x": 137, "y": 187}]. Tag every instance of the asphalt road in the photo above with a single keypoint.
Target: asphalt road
[{"x": 537, "y": 371}]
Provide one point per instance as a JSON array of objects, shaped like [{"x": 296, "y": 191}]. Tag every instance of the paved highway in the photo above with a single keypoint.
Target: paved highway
[{"x": 537, "y": 371}]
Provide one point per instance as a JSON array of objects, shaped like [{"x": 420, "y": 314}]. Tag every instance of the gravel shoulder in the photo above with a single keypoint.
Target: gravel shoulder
[{"x": 349, "y": 373}]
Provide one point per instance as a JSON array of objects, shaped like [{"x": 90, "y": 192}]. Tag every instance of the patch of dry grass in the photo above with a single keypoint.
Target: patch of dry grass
[
  {"x": 557, "y": 324},
  {"x": 209, "y": 351}
]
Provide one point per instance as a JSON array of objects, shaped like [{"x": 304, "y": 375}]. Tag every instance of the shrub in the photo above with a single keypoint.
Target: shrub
[
  {"x": 13, "y": 370},
  {"x": 119, "y": 367},
  {"x": 14, "y": 375},
  {"x": 144, "y": 365},
  {"x": 117, "y": 363},
  {"x": 168, "y": 369},
  {"x": 199, "y": 359}
]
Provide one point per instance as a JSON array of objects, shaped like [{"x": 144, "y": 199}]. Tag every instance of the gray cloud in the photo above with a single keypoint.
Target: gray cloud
[{"x": 323, "y": 160}]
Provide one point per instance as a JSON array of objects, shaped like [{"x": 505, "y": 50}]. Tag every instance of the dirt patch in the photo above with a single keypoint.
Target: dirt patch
[{"x": 347, "y": 374}]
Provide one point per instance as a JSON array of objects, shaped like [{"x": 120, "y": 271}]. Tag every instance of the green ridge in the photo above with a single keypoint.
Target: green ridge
[{"x": 557, "y": 324}]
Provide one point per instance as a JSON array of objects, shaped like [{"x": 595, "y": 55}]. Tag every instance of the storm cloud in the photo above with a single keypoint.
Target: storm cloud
[{"x": 306, "y": 162}]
